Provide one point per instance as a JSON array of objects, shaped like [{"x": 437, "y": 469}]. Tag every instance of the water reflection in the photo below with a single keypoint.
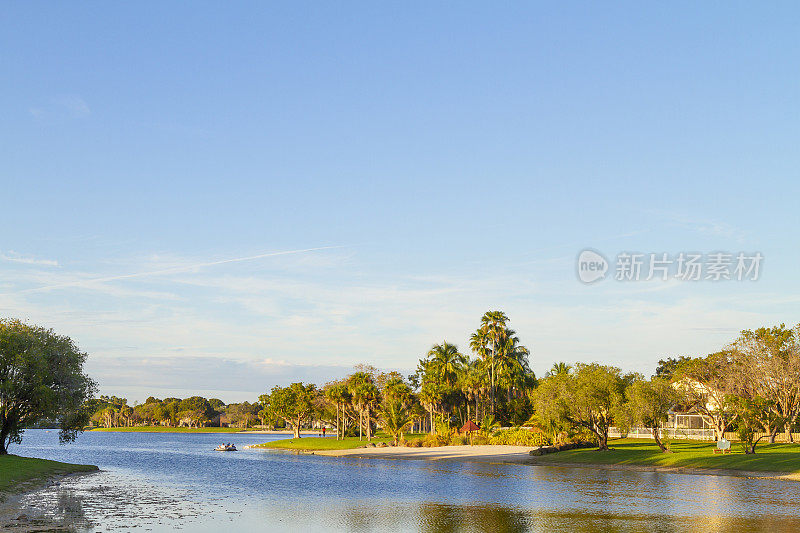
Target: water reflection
[{"x": 162, "y": 482}]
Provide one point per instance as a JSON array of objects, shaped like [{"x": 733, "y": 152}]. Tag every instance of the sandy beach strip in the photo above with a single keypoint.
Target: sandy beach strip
[{"x": 477, "y": 454}]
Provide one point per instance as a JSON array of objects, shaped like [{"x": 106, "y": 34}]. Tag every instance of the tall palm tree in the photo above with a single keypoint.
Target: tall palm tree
[
  {"x": 358, "y": 387},
  {"x": 490, "y": 333},
  {"x": 338, "y": 394},
  {"x": 446, "y": 362},
  {"x": 512, "y": 363}
]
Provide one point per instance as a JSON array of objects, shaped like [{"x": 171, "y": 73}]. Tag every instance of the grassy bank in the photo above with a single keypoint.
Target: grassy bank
[
  {"x": 686, "y": 454},
  {"x": 165, "y": 429},
  {"x": 327, "y": 443},
  {"x": 15, "y": 470}
]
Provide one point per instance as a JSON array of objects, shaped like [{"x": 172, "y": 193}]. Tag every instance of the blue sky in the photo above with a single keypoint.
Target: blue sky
[{"x": 424, "y": 163}]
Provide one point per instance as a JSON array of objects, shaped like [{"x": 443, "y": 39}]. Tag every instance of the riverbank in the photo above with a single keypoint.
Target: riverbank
[
  {"x": 688, "y": 457},
  {"x": 19, "y": 475}
]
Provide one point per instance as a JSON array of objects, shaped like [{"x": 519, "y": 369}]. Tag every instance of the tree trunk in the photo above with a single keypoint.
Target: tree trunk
[
  {"x": 337, "y": 420},
  {"x": 432, "y": 428},
  {"x": 657, "y": 438},
  {"x": 360, "y": 422},
  {"x": 369, "y": 426},
  {"x": 788, "y": 430},
  {"x": 297, "y": 429}
]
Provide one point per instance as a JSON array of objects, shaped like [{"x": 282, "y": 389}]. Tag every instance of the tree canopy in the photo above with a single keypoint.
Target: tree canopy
[{"x": 41, "y": 378}]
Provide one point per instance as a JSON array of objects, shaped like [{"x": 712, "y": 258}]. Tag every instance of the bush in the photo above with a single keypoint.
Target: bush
[
  {"x": 479, "y": 440},
  {"x": 520, "y": 437},
  {"x": 458, "y": 440},
  {"x": 431, "y": 441}
]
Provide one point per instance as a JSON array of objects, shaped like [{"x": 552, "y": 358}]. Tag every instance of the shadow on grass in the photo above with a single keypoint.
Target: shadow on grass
[{"x": 687, "y": 454}]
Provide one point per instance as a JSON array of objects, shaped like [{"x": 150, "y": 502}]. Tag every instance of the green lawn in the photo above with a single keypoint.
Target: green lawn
[
  {"x": 15, "y": 469},
  {"x": 165, "y": 429},
  {"x": 327, "y": 443},
  {"x": 689, "y": 454}
]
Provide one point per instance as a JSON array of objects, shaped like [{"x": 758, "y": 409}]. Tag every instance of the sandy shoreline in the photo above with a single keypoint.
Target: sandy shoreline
[
  {"x": 13, "y": 515},
  {"x": 520, "y": 455},
  {"x": 477, "y": 454}
]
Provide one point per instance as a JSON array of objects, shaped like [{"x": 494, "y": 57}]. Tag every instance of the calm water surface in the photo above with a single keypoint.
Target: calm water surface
[{"x": 168, "y": 481}]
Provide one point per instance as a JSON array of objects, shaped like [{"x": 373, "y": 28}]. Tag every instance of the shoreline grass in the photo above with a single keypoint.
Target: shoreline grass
[
  {"x": 15, "y": 470},
  {"x": 783, "y": 458},
  {"x": 325, "y": 443},
  {"x": 165, "y": 429}
]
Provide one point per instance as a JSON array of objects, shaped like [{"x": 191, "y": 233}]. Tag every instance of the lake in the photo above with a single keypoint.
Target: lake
[{"x": 167, "y": 481}]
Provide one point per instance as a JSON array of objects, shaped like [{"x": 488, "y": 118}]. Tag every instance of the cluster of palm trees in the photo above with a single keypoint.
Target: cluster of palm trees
[
  {"x": 495, "y": 382},
  {"x": 447, "y": 389}
]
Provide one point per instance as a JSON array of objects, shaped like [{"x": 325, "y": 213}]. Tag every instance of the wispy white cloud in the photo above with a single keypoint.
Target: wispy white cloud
[
  {"x": 704, "y": 226},
  {"x": 15, "y": 257},
  {"x": 172, "y": 270}
]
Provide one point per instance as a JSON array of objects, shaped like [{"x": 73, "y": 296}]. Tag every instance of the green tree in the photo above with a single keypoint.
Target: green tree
[
  {"x": 486, "y": 342},
  {"x": 294, "y": 403},
  {"x": 768, "y": 360},
  {"x": 705, "y": 384},
  {"x": 338, "y": 394},
  {"x": 396, "y": 419},
  {"x": 649, "y": 403},
  {"x": 41, "y": 378},
  {"x": 446, "y": 362},
  {"x": 431, "y": 395},
  {"x": 590, "y": 398}
]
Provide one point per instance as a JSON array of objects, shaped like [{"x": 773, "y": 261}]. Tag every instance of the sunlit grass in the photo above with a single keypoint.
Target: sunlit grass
[
  {"x": 688, "y": 454},
  {"x": 15, "y": 469}
]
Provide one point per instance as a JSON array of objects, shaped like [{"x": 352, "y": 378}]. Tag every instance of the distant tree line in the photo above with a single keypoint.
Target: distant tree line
[{"x": 195, "y": 411}]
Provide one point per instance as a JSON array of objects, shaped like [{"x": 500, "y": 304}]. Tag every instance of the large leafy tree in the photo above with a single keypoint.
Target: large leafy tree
[
  {"x": 768, "y": 360},
  {"x": 590, "y": 398},
  {"x": 705, "y": 384},
  {"x": 41, "y": 378},
  {"x": 294, "y": 403},
  {"x": 648, "y": 404}
]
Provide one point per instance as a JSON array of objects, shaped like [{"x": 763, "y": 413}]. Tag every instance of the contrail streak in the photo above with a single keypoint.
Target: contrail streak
[{"x": 174, "y": 270}]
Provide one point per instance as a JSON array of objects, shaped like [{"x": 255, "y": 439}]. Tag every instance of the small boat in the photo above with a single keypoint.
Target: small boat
[{"x": 225, "y": 448}]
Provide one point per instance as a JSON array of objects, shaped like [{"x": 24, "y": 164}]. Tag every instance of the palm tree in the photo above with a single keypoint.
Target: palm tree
[
  {"x": 491, "y": 331},
  {"x": 512, "y": 362},
  {"x": 396, "y": 419},
  {"x": 358, "y": 387},
  {"x": 339, "y": 395},
  {"x": 471, "y": 384},
  {"x": 446, "y": 362},
  {"x": 560, "y": 368},
  {"x": 430, "y": 396}
]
